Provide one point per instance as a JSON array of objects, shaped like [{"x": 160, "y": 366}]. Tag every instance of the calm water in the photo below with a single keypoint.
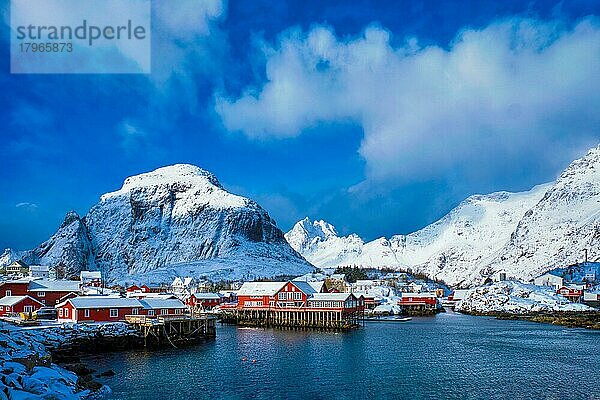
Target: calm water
[{"x": 450, "y": 356}]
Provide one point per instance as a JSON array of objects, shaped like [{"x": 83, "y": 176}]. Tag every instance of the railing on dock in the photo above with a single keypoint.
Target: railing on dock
[{"x": 174, "y": 329}]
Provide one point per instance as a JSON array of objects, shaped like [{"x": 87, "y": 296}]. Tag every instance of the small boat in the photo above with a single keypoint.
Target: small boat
[{"x": 403, "y": 319}]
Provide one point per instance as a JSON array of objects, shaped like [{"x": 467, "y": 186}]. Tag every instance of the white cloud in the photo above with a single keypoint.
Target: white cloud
[
  {"x": 30, "y": 207},
  {"x": 515, "y": 88}
]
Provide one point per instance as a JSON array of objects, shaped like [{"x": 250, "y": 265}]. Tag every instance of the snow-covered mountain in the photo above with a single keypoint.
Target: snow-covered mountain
[
  {"x": 522, "y": 234},
  {"x": 174, "y": 220}
]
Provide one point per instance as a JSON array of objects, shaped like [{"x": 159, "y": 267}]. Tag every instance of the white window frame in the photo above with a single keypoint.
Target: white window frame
[
  {"x": 8, "y": 292},
  {"x": 281, "y": 296},
  {"x": 86, "y": 313},
  {"x": 135, "y": 311},
  {"x": 41, "y": 294},
  {"x": 66, "y": 313},
  {"x": 27, "y": 309},
  {"x": 114, "y": 313},
  {"x": 60, "y": 312},
  {"x": 151, "y": 313},
  {"x": 164, "y": 311}
]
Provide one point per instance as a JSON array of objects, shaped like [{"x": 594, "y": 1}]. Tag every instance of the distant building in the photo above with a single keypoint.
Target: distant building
[
  {"x": 549, "y": 279},
  {"x": 362, "y": 285},
  {"x": 42, "y": 271},
  {"x": 91, "y": 278},
  {"x": 572, "y": 293},
  {"x": 421, "y": 300},
  {"x": 203, "y": 301},
  {"x": 17, "y": 268},
  {"x": 183, "y": 285}
]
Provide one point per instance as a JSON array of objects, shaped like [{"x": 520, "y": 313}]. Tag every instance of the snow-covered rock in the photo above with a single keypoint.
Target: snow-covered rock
[
  {"x": 172, "y": 219},
  {"x": 26, "y": 371},
  {"x": 512, "y": 297},
  {"x": 522, "y": 234}
]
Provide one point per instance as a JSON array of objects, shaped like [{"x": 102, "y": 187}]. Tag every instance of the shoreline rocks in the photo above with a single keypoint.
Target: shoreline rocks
[{"x": 45, "y": 362}]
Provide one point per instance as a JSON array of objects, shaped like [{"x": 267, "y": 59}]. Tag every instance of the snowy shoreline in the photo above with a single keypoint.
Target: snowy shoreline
[{"x": 28, "y": 355}]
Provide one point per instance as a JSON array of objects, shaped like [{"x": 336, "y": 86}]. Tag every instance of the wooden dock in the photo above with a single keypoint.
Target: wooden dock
[
  {"x": 174, "y": 330},
  {"x": 303, "y": 318}
]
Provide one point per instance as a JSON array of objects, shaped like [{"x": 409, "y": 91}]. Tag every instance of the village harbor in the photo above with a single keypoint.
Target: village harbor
[{"x": 70, "y": 319}]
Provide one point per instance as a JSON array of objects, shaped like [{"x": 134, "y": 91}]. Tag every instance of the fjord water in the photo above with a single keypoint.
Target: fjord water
[{"x": 450, "y": 356}]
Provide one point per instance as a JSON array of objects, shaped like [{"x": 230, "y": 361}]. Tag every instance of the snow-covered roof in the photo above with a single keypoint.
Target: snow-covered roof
[
  {"x": 39, "y": 268},
  {"x": 45, "y": 285},
  {"x": 419, "y": 295},
  {"x": 260, "y": 288},
  {"x": 90, "y": 275},
  {"x": 154, "y": 303},
  {"x": 206, "y": 296},
  {"x": 305, "y": 287},
  {"x": 103, "y": 302},
  {"x": 12, "y": 300},
  {"x": 317, "y": 285},
  {"x": 330, "y": 297}
]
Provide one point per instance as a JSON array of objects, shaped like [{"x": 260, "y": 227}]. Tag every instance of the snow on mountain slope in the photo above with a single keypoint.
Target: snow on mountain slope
[
  {"x": 172, "y": 219},
  {"x": 522, "y": 234},
  {"x": 448, "y": 249},
  {"x": 555, "y": 232}
]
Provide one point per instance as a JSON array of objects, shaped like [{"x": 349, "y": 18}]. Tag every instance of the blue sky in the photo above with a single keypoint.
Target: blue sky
[{"x": 377, "y": 116}]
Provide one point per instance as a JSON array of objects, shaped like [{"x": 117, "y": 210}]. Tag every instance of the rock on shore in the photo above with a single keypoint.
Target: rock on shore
[{"x": 26, "y": 368}]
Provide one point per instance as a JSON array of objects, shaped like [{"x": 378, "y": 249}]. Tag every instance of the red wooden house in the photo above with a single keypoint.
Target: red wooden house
[
  {"x": 105, "y": 309},
  {"x": 425, "y": 300},
  {"x": 18, "y": 287},
  {"x": 133, "y": 289},
  {"x": 52, "y": 292},
  {"x": 204, "y": 301},
  {"x": 573, "y": 294},
  {"x": 18, "y": 304}
]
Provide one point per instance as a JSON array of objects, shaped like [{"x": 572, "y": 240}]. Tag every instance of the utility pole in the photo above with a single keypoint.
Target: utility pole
[{"x": 586, "y": 255}]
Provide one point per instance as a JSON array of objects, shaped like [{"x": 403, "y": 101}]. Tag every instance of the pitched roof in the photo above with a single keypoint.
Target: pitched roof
[
  {"x": 46, "y": 285},
  {"x": 305, "y": 287},
  {"x": 260, "y": 288},
  {"x": 154, "y": 303},
  {"x": 12, "y": 300},
  {"x": 330, "y": 297},
  {"x": 206, "y": 295},
  {"x": 103, "y": 302},
  {"x": 317, "y": 285}
]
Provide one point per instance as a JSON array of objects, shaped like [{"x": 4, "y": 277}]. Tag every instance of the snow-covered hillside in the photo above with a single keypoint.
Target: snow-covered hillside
[
  {"x": 555, "y": 232},
  {"x": 448, "y": 249},
  {"x": 176, "y": 218},
  {"x": 522, "y": 234}
]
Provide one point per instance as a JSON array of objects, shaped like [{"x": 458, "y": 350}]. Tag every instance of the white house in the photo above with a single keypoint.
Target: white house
[
  {"x": 549, "y": 279},
  {"x": 181, "y": 285},
  {"x": 362, "y": 285},
  {"x": 42, "y": 271}
]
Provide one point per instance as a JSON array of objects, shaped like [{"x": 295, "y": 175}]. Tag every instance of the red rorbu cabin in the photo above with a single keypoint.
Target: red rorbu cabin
[{"x": 18, "y": 304}]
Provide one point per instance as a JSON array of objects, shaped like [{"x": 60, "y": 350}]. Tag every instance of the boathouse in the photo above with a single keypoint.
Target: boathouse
[
  {"x": 18, "y": 304},
  {"x": 294, "y": 304},
  {"x": 418, "y": 302}
]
